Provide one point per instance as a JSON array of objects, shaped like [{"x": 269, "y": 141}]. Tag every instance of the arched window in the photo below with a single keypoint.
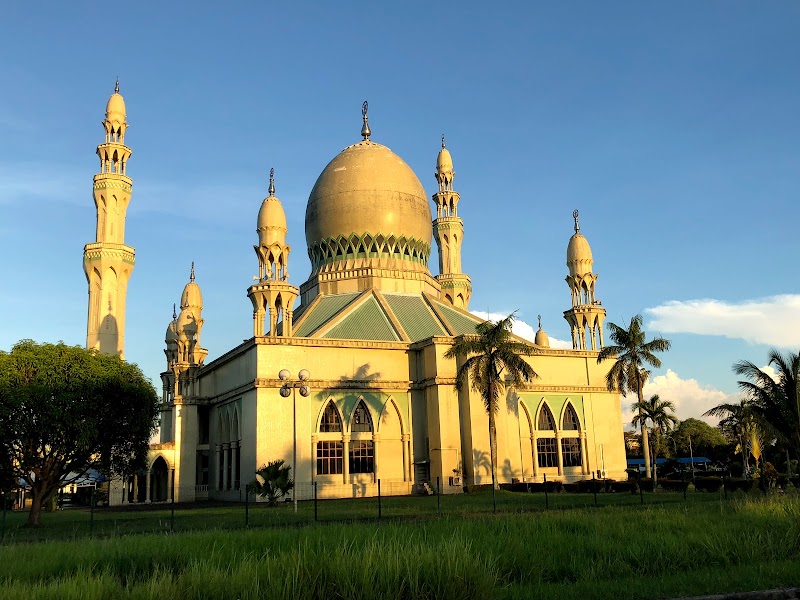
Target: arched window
[
  {"x": 570, "y": 421},
  {"x": 361, "y": 419},
  {"x": 547, "y": 451},
  {"x": 571, "y": 452},
  {"x": 331, "y": 423},
  {"x": 546, "y": 420}
]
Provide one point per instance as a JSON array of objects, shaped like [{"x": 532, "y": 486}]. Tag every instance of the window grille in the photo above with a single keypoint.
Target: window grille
[
  {"x": 571, "y": 452},
  {"x": 546, "y": 420},
  {"x": 570, "y": 422},
  {"x": 330, "y": 420},
  {"x": 330, "y": 458},
  {"x": 547, "y": 449},
  {"x": 361, "y": 419},
  {"x": 362, "y": 457}
]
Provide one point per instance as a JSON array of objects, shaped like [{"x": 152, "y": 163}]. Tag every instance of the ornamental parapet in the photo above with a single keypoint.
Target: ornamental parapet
[{"x": 107, "y": 250}]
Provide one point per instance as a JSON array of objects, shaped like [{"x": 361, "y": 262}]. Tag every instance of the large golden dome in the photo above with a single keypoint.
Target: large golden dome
[{"x": 367, "y": 190}]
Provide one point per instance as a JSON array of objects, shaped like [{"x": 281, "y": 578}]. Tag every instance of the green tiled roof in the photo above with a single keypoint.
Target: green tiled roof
[
  {"x": 324, "y": 311},
  {"x": 414, "y": 315},
  {"x": 365, "y": 322},
  {"x": 461, "y": 323}
]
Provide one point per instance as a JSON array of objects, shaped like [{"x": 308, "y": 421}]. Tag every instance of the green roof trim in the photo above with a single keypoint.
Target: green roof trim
[
  {"x": 461, "y": 323},
  {"x": 327, "y": 308},
  {"x": 414, "y": 315},
  {"x": 365, "y": 322}
]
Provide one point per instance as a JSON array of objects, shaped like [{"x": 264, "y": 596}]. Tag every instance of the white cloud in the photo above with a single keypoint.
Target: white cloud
[
  {"x": 774, "y": 320},
  {"x": 521, "y": 328},
  {"x": 691, "y": 398}
]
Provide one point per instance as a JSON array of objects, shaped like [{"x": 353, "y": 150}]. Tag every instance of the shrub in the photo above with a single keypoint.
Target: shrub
[
  {"x": 782, "y": 481},
  {"x": 733, "y": 484},
  {"x": 646, "y": 484},
  {"x": 673, "y": 485},
  {"x": 708, "y": 484},
  {"x": 554, "y": 486},
  {"x": 482, "y": 487},
  {"x": 795, "y": 479},
  {"x": 623, "y": 486},
  {"x": 571, "y": 488}
]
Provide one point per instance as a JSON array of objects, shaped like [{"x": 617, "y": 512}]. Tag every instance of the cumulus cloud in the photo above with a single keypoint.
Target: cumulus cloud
[
  {"x": 690, "y": 397},
  {"x": 774, "y": 320},
  {"x": 521, "y": 328}
]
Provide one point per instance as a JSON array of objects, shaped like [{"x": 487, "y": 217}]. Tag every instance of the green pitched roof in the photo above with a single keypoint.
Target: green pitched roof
[
  {"x": 365, "y": 322},
  {"x": 461, "y": 323},
  {"x": 327, "y": 308},
  {"x": 414, "y": 315}
]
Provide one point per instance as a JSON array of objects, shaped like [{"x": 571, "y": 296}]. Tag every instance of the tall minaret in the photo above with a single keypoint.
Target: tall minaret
[
  {"x": 108, "y": 262},
  {"x": 448, "y": 228},
  {"x": 273, "y": 296},
  {"x": 586, "y": 314}
]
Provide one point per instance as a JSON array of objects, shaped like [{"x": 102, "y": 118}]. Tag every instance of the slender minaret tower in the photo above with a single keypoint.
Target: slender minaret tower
[
  {"x": 586, "y": 314},
  {"x": 108, "y": 262},
  {"x": 273, "y": 296},
  {"x": 448, "y": 229}
]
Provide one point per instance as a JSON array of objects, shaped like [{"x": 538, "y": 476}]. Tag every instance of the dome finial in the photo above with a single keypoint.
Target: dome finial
[
  {"x": 174, "y": 312},
  {"x": 540, "y": 320},
  {"x": 272, "y": 181},
  {"x": 116, "y": 86},
  {"x": 191, "y": 275},
  {"x": 365, "y": 132},
  {"x": 575, "y": 216},
  {"x": 442, "y": 141}
]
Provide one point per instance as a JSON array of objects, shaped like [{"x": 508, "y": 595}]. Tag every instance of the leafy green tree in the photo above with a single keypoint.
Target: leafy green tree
[
  {"x": 632, "y": 353},
  {"x": 64, "y": 410},
  {"x": 775, "y": 402},
  {"x": 272, "y": 482},
  {"x": 705, "y": 439},
  {"x": 486, "y": 356},
  {"x": 660, "y": 414},
  {"x": 742, "y": 425}
]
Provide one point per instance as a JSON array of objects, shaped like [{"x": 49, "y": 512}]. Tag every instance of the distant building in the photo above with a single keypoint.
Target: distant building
[{"x": 371, "y": 328}]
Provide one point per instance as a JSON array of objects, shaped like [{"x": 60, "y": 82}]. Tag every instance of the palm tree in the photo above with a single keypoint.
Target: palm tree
[
  {"x": 775, "y": 402},
  {"x": 272, "y": 481},
  {"x": 661, "y": 414},
  {"x": 739, "y": 422},
  {"x": 632, "y": 353},
  {"x": 487, "y": 355}
]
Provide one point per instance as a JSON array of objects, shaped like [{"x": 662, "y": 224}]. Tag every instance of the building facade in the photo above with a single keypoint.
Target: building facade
[{"x": 371, "y": 325}]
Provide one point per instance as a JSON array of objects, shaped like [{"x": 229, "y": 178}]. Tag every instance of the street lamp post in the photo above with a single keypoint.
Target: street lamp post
[{"x": 290, "y": 387}]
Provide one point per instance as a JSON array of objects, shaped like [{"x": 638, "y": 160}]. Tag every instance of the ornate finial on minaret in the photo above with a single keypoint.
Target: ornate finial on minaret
[
  {"x": 575, "y": 216},
  {"x": 116, "y": 86},
  {"x": 365, "y": 132},
  {"x": 191, "y": 275},
  {"x": 174, "y": 312},
  {"x": 540, "y": 321},
  {"x": 272, "y": 181},
  {"x": 442, "y": 140}
]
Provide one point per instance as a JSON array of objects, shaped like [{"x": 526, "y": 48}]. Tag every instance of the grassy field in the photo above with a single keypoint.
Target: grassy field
[
  {"x": 76, "y": 523},
  {"x": 664, "y": 549}
]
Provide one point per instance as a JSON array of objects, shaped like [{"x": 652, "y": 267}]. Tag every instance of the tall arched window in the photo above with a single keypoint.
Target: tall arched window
[
  {"x": 362, "y": 448},
  {"x": 570, "y": 442},
  {"x": 546, "y": 447},
  {"x": 330, "y": 453}
]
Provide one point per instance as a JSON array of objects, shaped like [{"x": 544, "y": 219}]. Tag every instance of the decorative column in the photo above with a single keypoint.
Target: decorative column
[
  {"x": 346, "y": 459},
  {"x": 535, "y": 453},
  {"x": 404, "y": 443},
  {"x": 235, "y": 463},
  {"x": 559, "y": 455},
  {"x": 226, "y": 447},
  {"x": 171, "y": 484},
  {"x": 147, "y": 487},
  {"x": 135, "y": 489},
  {"x": 220, "y": 467},
  {"x": 409, "y": 455},
  {"x": 585, "y": 453}
]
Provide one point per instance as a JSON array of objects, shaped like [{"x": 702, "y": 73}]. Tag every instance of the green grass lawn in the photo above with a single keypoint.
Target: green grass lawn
[{"x": 620, "y": 550}]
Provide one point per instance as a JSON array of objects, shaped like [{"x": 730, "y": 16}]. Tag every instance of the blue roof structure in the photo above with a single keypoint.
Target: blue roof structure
[{"x": 698, "y": 460}]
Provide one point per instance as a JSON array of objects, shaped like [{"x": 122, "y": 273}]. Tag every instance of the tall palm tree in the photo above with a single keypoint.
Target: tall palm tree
[
  {"x": 631, "y": 354},
  {"x": 487, "y": 355},
  {"x": 775, "y": 401},
  {"x": 741, "y": 423},
  {"x": 661, "y": 414}
]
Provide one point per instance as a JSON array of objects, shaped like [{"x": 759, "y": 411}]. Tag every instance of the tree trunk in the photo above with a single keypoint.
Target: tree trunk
[
  {"x": 788, "y": 464},
  {"x": 493, "y": 448},
  {"x": 645, "y": 437},
  {"x": 655, "y": 458}
]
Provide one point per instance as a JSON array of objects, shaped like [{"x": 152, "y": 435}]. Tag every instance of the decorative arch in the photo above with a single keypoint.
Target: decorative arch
[
  {"x": 330, "y": 419},
  {"x": 545, "y": 420},
  {"x": 527, "y": 416},
  {"x": 569, "y": 418},
  {"x": 361, "y": 420},
  {"x": 389, "y": 414}
]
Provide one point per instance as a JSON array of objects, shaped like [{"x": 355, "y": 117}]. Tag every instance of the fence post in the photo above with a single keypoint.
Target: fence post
[
  {"x": 641, "y": 492},
  {"x": 546, "y": 499},
  {"x": 594, "y": 488},
  {"x": 246, "y": 507},
  {"x": 91, "y": 512},
  {"x": 438, "y": 498},
  {"x": 172, "y": 504},
  {"x": 379, "y": 499},
  {"x": 315, "y": 501}
]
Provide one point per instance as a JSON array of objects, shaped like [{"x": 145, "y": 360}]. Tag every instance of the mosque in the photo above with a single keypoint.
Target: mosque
[{"x": 362, "y": 340}]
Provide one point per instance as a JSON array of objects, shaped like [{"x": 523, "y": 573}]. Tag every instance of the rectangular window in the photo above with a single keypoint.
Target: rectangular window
[
  {"x": 362, "y": 457},
  {"x": 547, "y": 450},
  {"x": 571, "y": 452},
  {"x": 330, "y": 458}
]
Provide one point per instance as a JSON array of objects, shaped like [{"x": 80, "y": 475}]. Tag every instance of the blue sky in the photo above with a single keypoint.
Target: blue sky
[{"x": 674, "y": 129}]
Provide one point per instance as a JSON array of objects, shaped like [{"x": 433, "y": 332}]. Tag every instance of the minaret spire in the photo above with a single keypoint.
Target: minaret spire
[
  {"x": 586, "y": 315},
  {"x": 575, "y": 216},
  {"x": 448, "y": 230},
  {"x": 191, "y": 274},
  {"x": 365, "y": 132},
  {"x": 272, "y": 182},
  {"x": 108, "y": 262}
]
